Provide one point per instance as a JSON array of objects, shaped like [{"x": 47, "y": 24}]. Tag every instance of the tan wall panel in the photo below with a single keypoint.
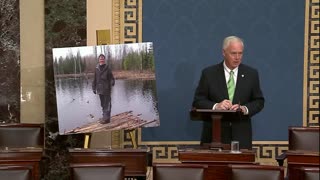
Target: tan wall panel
[
  {"x": 32, "y": 61},
  {"x": 99, "y": 17}
]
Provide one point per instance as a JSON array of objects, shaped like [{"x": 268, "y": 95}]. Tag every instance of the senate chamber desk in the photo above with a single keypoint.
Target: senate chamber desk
[
  {"x": 298, "y": 159},
  {"x": 217, "y": 161},
  {"x": 22, "y": 157},
  {"x": 135, "y": 160}
]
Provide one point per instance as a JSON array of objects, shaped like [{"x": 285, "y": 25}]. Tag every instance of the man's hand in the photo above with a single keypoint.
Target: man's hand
[
  {"x": 224, "y": 105},
  {"x": 94, "y": 92},
  {"x": 238, "y": 106}
]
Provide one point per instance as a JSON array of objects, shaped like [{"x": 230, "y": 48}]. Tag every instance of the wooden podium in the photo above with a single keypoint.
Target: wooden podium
[
  {"x": 216, "y": 117},
  {"x": 217, "y": 161}
]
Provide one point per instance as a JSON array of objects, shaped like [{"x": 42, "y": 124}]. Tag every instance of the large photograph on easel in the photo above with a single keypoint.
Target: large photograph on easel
[{"x": 104, "y": 88}]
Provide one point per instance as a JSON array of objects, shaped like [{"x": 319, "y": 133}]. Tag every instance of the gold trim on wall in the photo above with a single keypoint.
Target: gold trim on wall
[
  {"x": 116, "y": 21},
  {"x": 311, "y": 95},
  {"x": 116, "y": 136},
  {"x": 132, "y": 21},
  {"x": 126, "y": 21},
  {"x": 167, "y": 151}
]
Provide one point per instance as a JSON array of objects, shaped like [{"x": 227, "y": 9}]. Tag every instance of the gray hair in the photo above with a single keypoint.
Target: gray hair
[{"x": 229, "y": 39}]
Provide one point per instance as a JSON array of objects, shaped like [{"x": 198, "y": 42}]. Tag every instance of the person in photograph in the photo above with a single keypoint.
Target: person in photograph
[
  {"x": 230, "y": 85},
  {"x": 102, "y": 85}
]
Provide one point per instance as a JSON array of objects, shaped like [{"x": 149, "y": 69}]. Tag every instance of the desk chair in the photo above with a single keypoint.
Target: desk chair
[
  {"x": 309, "y": 173},
  {"x": 179, "y": 171},
  {"x": 259, "y": 172},
  {"x": 301, "y": 139},
  {"x": 20, "y": 135},
  {"x": 107, "y": 171},
  {"x": 14, "y": 172}
]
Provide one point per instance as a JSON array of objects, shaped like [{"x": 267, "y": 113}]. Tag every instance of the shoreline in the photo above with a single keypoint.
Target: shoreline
[{"x": 117, "y": 75}]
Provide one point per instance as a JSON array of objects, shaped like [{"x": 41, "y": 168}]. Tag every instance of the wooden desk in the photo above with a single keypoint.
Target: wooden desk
[
  {"x": 22, "y": 157},
  {"x": 217, "y": 161},
  {"x": 298, "y": 159},
  {"x": 135, "y": 160}
]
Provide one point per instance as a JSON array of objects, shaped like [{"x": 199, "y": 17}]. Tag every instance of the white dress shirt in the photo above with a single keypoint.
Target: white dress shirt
[{"x": 227, "y": 75}]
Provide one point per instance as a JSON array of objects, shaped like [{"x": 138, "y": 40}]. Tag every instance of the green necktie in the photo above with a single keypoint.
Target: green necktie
[{"x": 231, "y": 86}]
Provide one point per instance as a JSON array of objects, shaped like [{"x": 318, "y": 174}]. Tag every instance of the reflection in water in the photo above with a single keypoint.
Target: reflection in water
[{"x": 78, "y": 105}]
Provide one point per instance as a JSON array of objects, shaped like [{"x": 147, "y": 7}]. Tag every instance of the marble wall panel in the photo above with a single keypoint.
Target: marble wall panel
[
  {"x": 65, "y": 26},
  {"x": 9, "y": 61}
]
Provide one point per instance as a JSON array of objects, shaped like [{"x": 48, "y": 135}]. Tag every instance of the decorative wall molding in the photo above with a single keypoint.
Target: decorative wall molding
[
  {"x": 127, "y": 21},
  {"x": 116, "y": 19},
  {"x": 167, "y": 151},
  {"x": 311, "y": 95}
]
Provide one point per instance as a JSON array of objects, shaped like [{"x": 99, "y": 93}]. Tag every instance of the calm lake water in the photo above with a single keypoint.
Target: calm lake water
[{"x": 78, "y": 105}]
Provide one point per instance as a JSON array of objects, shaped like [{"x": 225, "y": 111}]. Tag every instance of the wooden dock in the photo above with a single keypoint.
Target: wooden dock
[{"x": 126, "y": 120}]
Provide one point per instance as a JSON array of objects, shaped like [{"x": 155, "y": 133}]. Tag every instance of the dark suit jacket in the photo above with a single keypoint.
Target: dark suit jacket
[{"x": 212, "y": 89}]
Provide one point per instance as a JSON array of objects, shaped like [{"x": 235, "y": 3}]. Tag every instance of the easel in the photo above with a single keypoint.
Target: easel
[
  {"x": 86, "y": 141},
  {"x": 103, "y": 38},
  {"x": 132, "y": 134}
]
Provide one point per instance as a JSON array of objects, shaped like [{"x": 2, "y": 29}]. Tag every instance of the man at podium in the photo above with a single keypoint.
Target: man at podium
[{"x": 230, "y": 85}]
